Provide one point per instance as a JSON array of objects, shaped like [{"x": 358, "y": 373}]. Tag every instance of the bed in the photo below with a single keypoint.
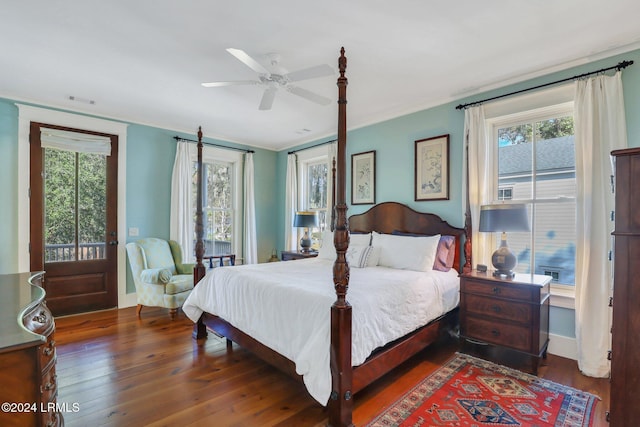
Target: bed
[{"x": 339, "y": 325}]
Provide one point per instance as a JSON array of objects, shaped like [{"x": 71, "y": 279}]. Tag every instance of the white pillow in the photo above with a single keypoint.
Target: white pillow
[
  {"x": 363, "y": 256},
  {"x": 406, "y": 252},
  {"x": 328, "y": 251}
]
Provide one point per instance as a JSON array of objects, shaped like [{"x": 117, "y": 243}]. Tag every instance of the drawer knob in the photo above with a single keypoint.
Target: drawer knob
[
  {"x": 495, "y": 332},
  {"x": 496, "y": 308},
  {"x": 496, "y": 290}
]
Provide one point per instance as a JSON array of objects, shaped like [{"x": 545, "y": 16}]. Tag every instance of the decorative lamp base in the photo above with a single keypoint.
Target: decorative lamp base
[
  {"x": 305, "y": 242},
  {"x": 503, "y": 260}
]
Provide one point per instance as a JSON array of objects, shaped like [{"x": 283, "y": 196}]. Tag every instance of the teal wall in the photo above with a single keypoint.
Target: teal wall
[
  {"x": 149, "y": 165},
  {"x": 150, "y": 154},
  {"x": 394, "y": 142}
]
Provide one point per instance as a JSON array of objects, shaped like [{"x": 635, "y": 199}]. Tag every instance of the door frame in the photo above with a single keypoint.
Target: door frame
[{"x": 27, "y": 114}]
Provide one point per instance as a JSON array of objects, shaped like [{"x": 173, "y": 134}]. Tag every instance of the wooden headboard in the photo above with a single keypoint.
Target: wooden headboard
[{"x": 388, "y": 217}]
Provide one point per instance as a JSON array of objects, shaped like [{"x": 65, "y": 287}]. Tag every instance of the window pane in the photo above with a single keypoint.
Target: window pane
[
  {"x": 555, "y": 159},
  {"x": 547, "y": 145},
  {"x": 555, "y": 237},
  {"x": 217, "y": 209},
  {"x": 515, "y": 154},
  {"x": 92, "y": 202},
  {"x": 59, "y": 205},
  {"x": 218, "y": 188},
  {"x": 317, "y": 186}
]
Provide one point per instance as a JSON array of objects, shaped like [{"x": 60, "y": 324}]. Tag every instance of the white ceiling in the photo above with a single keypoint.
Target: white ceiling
[{"x": 143, "y": 60}]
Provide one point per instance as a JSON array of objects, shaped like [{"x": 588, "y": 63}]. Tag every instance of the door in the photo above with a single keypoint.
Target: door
[{"x": 73, "y": 223}]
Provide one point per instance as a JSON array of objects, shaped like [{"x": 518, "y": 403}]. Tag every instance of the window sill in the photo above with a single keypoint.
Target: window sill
[{"x": 564, "y": 298}]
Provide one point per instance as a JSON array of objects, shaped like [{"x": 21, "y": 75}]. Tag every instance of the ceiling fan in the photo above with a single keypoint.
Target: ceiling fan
[{"x": 277, "y": 79}]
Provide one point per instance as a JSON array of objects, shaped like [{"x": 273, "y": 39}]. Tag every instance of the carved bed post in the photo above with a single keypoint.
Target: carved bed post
[
  {"x": 468, "y": 266},
  {"x": 199, "y": 271},
  {"x": 341, "y": 400}
]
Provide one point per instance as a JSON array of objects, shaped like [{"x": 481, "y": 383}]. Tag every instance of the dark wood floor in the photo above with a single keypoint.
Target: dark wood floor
[{"x": 122, "y": 371}]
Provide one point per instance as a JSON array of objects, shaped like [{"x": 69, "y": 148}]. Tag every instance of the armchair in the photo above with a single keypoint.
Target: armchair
[{"x": 160, "y": 277}]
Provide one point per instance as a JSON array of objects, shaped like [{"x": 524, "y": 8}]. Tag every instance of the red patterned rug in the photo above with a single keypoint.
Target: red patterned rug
[{"x": 467, "y": 391}]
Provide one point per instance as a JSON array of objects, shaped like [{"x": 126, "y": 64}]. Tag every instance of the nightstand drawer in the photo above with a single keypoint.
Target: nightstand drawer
[
  {"x": 500, "y": 290},
  {"x": 516, "y": 337},
  {"x": 500, "y": 309}
]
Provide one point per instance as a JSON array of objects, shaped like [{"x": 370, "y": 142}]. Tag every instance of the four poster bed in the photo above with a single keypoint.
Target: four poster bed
[{"x": 320, "y": 345}]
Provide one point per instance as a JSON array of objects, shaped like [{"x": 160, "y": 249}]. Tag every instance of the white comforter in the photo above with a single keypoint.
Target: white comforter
[{"x": 286, "y": 306}]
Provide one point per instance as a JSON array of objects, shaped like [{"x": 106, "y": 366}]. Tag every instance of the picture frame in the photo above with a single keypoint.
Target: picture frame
[
  {"x": 431, "y": 170},
  {"x": 363, "y": 178}
]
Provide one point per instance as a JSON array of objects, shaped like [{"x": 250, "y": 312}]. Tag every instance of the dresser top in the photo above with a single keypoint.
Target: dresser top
[
  {"x": 18, "y": 294},
  {"x": 522, "y": 279}
]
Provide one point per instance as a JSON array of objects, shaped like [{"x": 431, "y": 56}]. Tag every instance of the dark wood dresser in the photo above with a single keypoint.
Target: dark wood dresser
[
  {"x": 511, "y": 313},
  {"x": 28, "y": 383},
  {"x": 625, "y": 331},
  {"x": 293, "y": 255}
]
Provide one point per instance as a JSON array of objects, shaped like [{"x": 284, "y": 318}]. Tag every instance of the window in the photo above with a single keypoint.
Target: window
[
  {"x": 313, "y": 176},
  {"x": 505, "y": 193},
  {"x": 535, "y": 158},
  {"x": 221, "y": 201}
]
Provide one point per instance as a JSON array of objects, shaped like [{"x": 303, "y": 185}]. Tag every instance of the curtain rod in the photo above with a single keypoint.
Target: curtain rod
[
  {"x": 313, "y": 146},
  {"x": 620, "y": 66},
  {"x": 177, "y": 138}
]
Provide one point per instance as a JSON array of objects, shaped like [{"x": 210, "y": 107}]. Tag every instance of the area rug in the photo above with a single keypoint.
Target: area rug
[{"x": 468, "y": 391}]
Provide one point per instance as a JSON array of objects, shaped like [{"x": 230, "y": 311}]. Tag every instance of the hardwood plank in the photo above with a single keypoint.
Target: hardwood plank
[{"x": 125, "y": 371}]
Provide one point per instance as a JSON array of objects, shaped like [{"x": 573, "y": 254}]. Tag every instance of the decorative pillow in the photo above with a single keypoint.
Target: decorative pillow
[
  {"x": 406, "y": 252},
  {"x": 445, "y": 254},
  {"x": 328, "y": 251},
  {"x": 363, "y": 256}
]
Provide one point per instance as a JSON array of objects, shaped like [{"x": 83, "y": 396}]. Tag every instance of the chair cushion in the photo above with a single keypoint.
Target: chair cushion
[
  {"x": 157, "y": 253},
  {"x": 179, "y": 283}
]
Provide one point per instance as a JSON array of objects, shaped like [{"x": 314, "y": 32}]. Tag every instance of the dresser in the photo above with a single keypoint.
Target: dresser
[
  {"x": 291, "y": 255},
  {"x": 511, "y": 313},
  {"x": 27, "y": 354},
  {"x": 625, "y": 331}
]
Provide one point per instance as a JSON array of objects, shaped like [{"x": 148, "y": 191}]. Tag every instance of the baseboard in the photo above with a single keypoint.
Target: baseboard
[
  {"x": 128, "y": 300},
  {"x": 563, "y": 346}
]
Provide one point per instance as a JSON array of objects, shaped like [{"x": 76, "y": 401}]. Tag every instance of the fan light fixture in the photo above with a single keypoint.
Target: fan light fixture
[{"x": 279, "y": 79}]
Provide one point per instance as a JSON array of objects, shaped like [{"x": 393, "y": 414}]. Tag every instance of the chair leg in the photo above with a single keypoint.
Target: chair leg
[
  {"x": 172, "y": 313},
  {"x": 139, "y": 310}
]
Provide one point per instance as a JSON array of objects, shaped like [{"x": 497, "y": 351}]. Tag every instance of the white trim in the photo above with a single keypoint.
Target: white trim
[
  {"x": 28, "y": 114},
  {"x": 563, "y": 346},
  {"x": 563, "y": 297}
]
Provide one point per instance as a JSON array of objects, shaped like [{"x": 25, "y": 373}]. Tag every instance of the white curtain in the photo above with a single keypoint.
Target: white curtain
[
  {"x": 481, "y": 184},
  {"x": 599, "y": 128},
  {"x": 291, "y": 204},
  {"x": 331, "y": 153},
  {"x": 181, "y": 227},
  {"x": 250, "y": 245}
]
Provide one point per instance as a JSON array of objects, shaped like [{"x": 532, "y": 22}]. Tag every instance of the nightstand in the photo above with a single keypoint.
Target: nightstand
[
  {"x": 291, "y": 255},
  {"x": 511, "y": 313}
]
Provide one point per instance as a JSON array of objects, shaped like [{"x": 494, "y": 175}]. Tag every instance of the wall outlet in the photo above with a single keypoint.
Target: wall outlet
[{"x": 133, "y": 231}]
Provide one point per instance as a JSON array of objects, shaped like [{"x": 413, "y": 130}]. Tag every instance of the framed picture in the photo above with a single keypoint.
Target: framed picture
[
  {"x": 432, "y": 168},
  {"x": 363, "y": 178}
]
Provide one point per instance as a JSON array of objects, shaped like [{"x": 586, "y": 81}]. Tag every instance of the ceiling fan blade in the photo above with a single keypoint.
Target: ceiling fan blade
[
  {"x": 311, "y": 73},
  {"x": 306, "y": 94},
  {"x": 267, "y": 98},
  {"x": 248, "y": 61},
  {"x": 234, "y": 83}
]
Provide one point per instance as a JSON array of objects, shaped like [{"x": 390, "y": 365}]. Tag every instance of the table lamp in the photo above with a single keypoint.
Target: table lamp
[
  {"x": 305, "y": 219},
  {"x": 503, "y": 218}
]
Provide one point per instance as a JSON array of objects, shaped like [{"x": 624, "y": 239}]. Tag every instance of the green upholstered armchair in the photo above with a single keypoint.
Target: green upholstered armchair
[{"x": 161, "y": 279}]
